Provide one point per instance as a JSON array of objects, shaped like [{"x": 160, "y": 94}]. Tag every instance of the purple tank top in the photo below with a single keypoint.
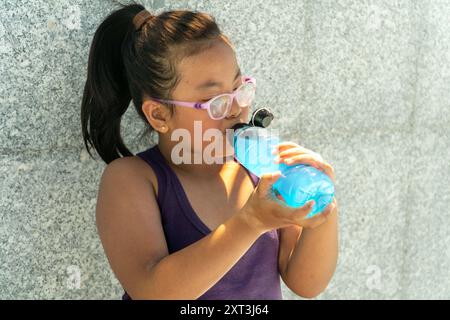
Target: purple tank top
[{"x": 254, "y": 276}]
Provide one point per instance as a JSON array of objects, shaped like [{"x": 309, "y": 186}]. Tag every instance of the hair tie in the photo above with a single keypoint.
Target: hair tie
[{"x": 141, "y": 17}]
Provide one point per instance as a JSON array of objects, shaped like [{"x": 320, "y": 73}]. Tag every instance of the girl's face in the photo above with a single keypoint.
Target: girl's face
[{"x": 217, "y": 64}]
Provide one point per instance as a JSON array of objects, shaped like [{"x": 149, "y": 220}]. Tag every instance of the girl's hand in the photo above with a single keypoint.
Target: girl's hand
[
  {"x": 263, "y": 212},
  {"x": 291, "y": 153}
]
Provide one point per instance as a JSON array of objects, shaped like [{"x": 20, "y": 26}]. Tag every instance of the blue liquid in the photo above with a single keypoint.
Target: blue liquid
[{"x": 298, "y": 183}]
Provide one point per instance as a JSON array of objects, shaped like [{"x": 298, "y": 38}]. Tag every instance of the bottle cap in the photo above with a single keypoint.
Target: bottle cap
[{"x": 261, "y": 117}]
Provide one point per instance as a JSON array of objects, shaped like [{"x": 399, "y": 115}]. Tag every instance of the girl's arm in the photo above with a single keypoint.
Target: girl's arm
[
  {"x": 307, "y": 263},
  {"x": 313, "y": 258},
  {"x": 128, "y": 221}
]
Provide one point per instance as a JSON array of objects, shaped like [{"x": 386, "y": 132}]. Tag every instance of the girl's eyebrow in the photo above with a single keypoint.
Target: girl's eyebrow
[{"x": 210, "y": 83}]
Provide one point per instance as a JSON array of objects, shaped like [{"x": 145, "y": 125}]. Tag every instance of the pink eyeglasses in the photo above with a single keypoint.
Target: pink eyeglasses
[{"x": 219, "y": 106}]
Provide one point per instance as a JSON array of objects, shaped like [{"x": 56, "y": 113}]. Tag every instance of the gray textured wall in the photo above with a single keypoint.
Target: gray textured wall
[{"x": 364, "y": 83}]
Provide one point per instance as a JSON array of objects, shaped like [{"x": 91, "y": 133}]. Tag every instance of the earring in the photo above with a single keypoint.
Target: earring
[{"x": 163, "y": 128}]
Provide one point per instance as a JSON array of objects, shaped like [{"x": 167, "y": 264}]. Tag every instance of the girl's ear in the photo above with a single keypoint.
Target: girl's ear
[{"x": 157, "y": 115}]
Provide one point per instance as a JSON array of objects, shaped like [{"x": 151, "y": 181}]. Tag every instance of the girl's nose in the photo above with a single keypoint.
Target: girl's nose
[{"x": 235, "y": 110}]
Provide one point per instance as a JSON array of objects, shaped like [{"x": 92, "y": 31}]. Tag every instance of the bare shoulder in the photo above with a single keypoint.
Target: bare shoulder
[
  {"x": 126, "y": 183},
  {"x": 127, "y": 186},
  {"x": 134, "y": 167}
]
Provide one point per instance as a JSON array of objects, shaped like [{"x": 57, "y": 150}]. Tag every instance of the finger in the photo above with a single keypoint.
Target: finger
[
  {"x": 286, "y": 154},
  {"x": 267, "y": 180},
  {"x": 290, "y": 148},
  {"x": 283, "y": 146},
  {"x": 311, "y": 160},
  {"x": 335, "y": 208},
  {"x": 294, "y": 151},
  {"x": 335, "y": 202},
  {"x": 278, "y": 195},
  {"x": 314, "y": 221},
  {"x": 303, "y": 211},
  {"x": 324, "y": 213},
  {"x": 303, "y": 158},
  {"x": 329, "y": 170},
  {"x": 328, "y": 210}
]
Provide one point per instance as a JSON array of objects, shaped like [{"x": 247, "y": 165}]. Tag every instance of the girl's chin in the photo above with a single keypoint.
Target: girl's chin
[{"x": 217, "y": 153}]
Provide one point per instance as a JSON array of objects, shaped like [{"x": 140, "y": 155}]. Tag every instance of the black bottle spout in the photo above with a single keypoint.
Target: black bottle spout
[{"x": 261, "y": 117}]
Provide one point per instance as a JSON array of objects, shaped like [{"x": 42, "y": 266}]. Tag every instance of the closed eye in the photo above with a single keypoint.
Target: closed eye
[{"x": 207, "y": 99}]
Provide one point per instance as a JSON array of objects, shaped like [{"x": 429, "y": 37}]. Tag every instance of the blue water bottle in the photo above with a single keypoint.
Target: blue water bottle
[{"x": 299, "y": 183}]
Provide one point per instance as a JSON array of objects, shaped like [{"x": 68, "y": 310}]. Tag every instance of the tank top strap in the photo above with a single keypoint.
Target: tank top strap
[
  {"x": 255, "y": 178},
  {"x": 163, "y": 173}
]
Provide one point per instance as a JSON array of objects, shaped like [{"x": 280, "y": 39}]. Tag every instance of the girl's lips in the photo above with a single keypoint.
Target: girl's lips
[
  {"x": 233, "y": 128},
  {"x": 230, "y": 129},
  {"x": 237, "y": 125}
]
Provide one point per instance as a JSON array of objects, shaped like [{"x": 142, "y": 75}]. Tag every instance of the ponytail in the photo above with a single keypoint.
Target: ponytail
[{"x": 106, "y": 93}]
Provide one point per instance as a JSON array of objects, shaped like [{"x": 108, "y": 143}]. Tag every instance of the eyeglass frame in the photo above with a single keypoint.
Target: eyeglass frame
[{"x": 206, "y": 105}]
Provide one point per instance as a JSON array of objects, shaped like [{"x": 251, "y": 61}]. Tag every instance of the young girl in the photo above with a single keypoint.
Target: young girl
[{"x": 192, "y": 230}]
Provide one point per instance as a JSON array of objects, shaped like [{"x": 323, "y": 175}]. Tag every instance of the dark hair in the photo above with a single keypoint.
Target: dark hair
[{"x": 126, "y": 63}]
